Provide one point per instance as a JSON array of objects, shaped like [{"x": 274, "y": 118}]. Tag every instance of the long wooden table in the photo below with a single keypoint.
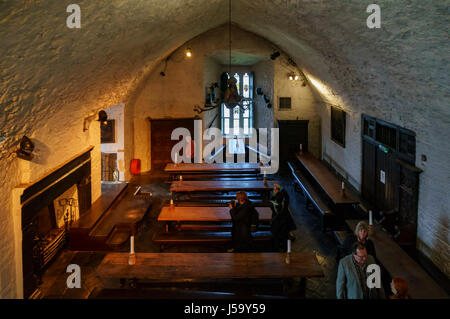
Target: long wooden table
[
  {"x": 167, "y": 267},
  {"x": 178, "y": 188},
  {"x": 205, "y": 214},
  {"x": 218, "y": 186},
  {"x": 211, "y": 167},
  {"x": 399, "y": 264},
  {"x": 327, "y": 181}
]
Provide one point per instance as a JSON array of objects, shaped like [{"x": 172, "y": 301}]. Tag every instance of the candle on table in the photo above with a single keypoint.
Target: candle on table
[
  {"x": 132, "y": 257},
  {"x": 132, "y": 245},
  {"x": 287, "y": 260},
  {"x": 342, "y": 185},
  {"x": 171, "y": 202}
]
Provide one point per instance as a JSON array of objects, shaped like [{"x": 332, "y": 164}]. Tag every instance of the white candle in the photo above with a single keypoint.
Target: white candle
[
  {"x": 370, "y": 217},
  {"x": 289, "y": 246},
  {"x": 132, "y": 245},
  {"x": 301, "y": 147},
  {"x": 343, "y": 186},
  {"x": 171, "y": 202}
]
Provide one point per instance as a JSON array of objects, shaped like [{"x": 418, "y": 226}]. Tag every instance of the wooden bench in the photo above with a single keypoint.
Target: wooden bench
[
  {"x": 313, "y": 197},
  {"x": 214, "y": 227},
  {"x": 164, "y": 239}
]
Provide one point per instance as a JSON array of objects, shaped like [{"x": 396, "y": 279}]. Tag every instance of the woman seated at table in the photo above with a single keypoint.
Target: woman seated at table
[
  {"x": 241, "y": 214},
  {"x": 282, "y": 223},
  {"x": 361, "y": 235}
]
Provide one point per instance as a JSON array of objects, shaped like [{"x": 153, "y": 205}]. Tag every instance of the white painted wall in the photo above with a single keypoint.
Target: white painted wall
[{"x": 117, "y": 113}]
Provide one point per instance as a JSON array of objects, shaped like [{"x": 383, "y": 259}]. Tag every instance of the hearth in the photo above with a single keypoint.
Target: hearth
[{"x": 49, "y": 206}]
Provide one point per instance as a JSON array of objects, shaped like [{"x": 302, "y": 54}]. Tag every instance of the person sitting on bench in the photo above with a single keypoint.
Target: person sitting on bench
[
  {"x": 282, "y": 223},
  {"x": 360, "y": 235},
  {"x": 241, "y": 213}
]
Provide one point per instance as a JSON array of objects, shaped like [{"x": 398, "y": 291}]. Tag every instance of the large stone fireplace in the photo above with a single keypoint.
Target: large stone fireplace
[{"x": 47, "y": 208}]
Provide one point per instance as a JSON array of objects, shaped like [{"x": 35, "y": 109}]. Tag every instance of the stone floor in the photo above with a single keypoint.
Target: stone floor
[{"x": 309, "y": 237}]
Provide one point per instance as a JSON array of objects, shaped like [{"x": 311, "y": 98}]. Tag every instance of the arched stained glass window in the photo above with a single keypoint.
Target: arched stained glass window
[{"x": 235, "y": 119}]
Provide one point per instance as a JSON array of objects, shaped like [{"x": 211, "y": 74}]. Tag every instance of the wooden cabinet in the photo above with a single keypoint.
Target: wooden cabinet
[{"x": 292, "y": 133}]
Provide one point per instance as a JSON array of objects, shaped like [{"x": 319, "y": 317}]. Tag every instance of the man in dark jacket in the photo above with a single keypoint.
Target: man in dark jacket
[
  {"x": 241, "y": 219},
  {"x": 282, "y": 223}
]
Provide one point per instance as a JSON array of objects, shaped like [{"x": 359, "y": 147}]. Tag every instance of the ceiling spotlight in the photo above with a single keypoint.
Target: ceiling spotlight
[
  {"x": 188, "y": 52},
  {"x": 296, "y": 78},
  {"x": 162, "y": 73},
  {"x": 275, "y": 55},
  {"x": 291, "y": 78}
]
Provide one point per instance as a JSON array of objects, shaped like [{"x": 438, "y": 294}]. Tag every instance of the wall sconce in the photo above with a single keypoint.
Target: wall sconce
[
  {"x": 26, "y": 147},
  {"x": 292, "y": 76},
  {"x": 295, "y": 77},
  {"x": 188, "y": 52},
  {"x": 275, "y": 55},
  {"x": 102, "y": 118}
]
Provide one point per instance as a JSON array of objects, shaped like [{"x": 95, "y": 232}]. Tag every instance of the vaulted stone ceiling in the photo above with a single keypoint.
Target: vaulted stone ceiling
[{"x": 47, "y": 67}]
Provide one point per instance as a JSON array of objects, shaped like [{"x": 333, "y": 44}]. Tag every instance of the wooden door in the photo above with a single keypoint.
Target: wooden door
[
  {"x": 368, "y": 170},
  {"x": 161, "y": 143},
  {"x": 380, "y": 177}
]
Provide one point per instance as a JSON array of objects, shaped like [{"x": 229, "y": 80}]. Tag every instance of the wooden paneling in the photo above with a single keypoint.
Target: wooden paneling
[
  {"x": 161, "y": 143},
  {"x": 368, "y": 170}
]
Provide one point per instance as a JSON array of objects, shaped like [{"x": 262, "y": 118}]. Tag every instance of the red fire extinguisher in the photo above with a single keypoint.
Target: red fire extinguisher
[{"x": 135, "y": 166}]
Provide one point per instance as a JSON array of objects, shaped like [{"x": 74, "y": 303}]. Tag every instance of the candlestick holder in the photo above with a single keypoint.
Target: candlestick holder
[
  {"x": 287, "y": 260},
  {"x": 132, "y": 259}
]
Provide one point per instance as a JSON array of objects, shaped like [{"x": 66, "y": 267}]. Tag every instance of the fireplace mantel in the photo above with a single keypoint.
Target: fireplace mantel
[{"x": 30, "y": 198}]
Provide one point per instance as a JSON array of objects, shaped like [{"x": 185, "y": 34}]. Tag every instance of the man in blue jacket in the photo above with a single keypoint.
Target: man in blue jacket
[{"x": 352, "y": 275}]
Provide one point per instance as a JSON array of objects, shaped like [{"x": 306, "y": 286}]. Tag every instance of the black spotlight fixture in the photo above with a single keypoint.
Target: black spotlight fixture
[
  {"x": 26, "y": 147},
  {"x": 162, "y": 73},
  {"x": 102, "y": 117},
  {"x": 266, "y": 99},
  {"x": 275, "y": 55},
  {"x": 259, "y": 91}
]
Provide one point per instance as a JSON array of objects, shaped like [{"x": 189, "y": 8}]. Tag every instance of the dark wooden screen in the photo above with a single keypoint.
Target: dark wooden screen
[
  {"x": 161, "y": 144},
  {"x": 390, "y": 149}
]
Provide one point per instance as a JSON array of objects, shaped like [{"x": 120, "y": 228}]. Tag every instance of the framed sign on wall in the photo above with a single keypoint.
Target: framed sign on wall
[
  {"x": 107, "y": 132},
  {"x": 338, "y": 125}
]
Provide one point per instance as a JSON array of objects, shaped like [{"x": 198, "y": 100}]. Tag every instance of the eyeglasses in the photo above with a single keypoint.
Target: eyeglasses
[{"x": 359, "y": 256}]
